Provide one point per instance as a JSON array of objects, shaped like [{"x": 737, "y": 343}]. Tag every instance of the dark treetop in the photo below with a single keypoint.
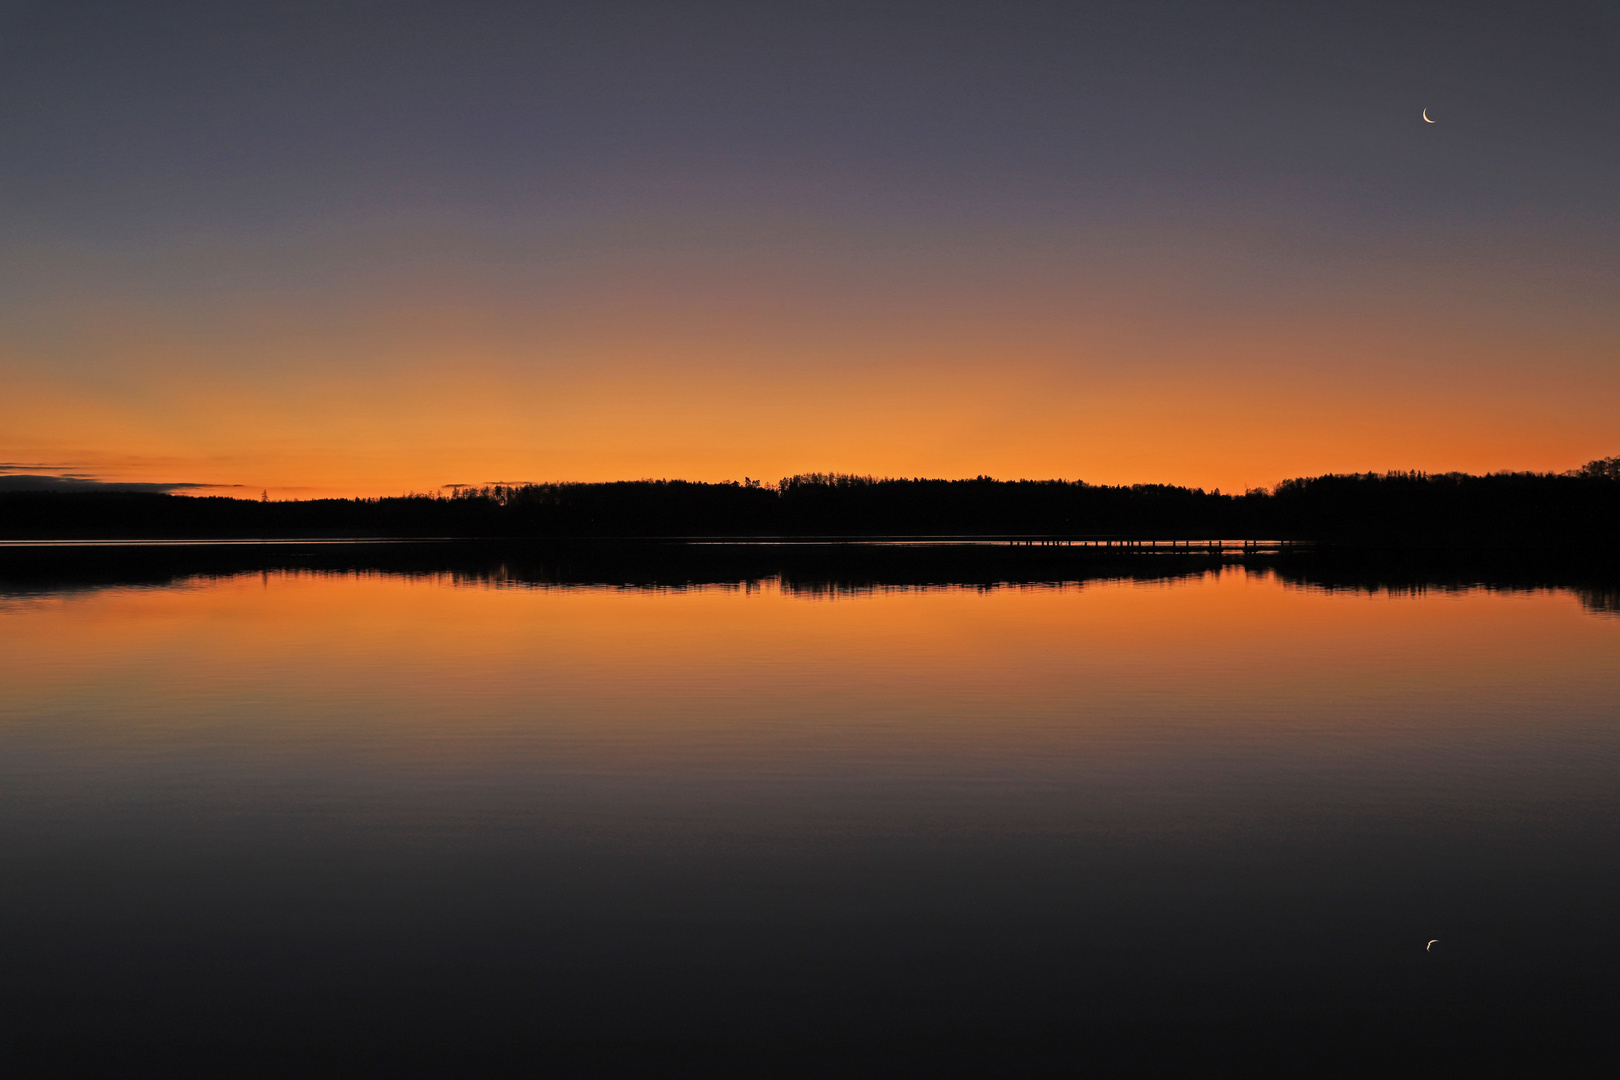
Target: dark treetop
[{"x": 1579, "y": 506}]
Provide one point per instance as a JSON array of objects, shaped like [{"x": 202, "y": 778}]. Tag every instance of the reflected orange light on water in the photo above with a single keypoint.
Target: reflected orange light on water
[{"x": 624, "y": 680}]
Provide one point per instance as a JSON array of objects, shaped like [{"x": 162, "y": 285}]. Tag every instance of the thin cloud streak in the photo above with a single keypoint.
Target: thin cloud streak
[{"x": 35, "y": 482}]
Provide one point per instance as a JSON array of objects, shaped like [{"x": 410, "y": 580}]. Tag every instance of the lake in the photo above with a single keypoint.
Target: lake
[{"x": 353, "y": 817}]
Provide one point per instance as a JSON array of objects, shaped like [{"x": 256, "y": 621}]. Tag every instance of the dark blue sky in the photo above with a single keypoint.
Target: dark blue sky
[{"x": 152, "y": 117}]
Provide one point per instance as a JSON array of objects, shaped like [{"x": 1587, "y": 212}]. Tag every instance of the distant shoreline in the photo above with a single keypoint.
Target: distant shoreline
[{"x": 1402, "y": 509}]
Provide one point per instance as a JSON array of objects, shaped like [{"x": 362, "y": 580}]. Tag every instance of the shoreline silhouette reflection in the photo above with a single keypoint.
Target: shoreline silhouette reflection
[{"x": 804, "y": 568}]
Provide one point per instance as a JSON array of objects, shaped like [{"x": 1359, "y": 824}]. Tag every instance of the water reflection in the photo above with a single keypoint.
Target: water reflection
[
  {"x": 778, "y": 815},
  {"x": 814, "y": 568}
]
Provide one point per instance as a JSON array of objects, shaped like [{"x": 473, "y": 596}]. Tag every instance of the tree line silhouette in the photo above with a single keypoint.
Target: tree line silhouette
[{"x": 1583, "y": 504}]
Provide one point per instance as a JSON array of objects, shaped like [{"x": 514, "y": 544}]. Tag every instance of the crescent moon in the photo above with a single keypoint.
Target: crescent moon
[
  {"x": 1426, "y": 119},
  {"x": 1436, "y": 941}
]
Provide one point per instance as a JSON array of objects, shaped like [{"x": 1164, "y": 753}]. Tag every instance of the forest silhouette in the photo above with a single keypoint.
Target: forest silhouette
[{"x": 1386, "y": 508}]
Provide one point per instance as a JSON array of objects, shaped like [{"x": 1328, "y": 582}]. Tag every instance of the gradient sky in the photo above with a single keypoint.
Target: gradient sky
[{"x": 368, "y": 248}]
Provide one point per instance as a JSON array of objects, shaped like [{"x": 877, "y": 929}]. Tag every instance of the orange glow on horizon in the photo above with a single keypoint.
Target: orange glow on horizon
[{"x": 1172, "y": 357}]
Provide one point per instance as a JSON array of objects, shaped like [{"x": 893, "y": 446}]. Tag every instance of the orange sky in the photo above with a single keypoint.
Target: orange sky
[
  {"x": 1222, "y": 355},
  {"x": 324, "y": 251}
]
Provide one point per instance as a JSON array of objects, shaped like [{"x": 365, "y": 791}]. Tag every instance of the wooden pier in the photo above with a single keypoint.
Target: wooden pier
[{"x": 1128, "y": 545}]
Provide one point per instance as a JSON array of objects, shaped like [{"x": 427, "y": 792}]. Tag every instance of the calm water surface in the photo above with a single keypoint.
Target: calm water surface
[{"x": 354, "y": 821}]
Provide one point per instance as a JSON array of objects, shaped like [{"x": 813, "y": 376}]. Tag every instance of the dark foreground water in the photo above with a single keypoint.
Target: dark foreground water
[{"x": 1185, "y": 816}]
